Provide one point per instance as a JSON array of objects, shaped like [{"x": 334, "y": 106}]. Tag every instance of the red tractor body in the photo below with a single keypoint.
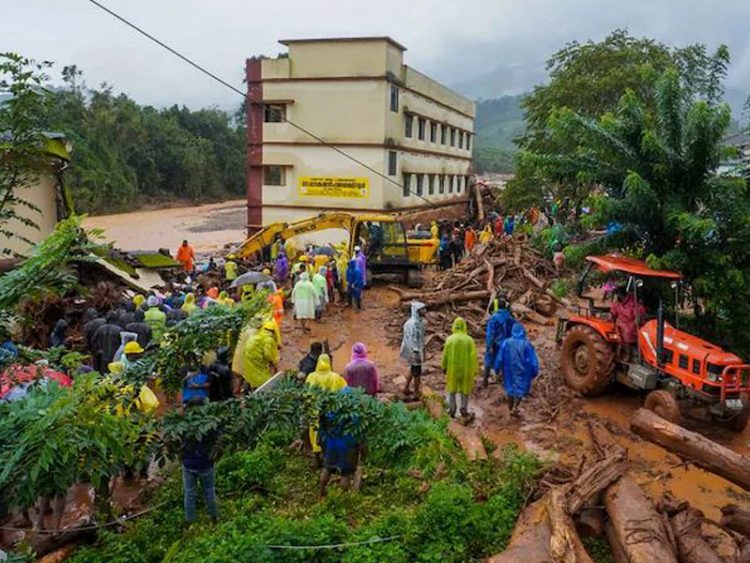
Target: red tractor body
[{"x": 676, "y": 365}]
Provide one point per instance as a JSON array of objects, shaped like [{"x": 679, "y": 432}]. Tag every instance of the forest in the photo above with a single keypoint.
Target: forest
[{"x": 126, "y": 155}]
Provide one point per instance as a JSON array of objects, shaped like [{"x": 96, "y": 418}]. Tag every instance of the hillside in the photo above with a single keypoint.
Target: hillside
[{"x": 497, "y": 123}]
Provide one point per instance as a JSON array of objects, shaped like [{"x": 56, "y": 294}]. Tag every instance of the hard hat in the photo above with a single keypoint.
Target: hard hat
[
  {"x": 133, "y": 348},
  {"x": 303, "y": 258},
  {"x": 357, "y": 249},
  {"x": 152, "y": 301},
  {"x": 267, "y": 271}
]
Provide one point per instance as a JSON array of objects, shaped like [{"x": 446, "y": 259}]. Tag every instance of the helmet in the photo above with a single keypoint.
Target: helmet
[
  {"x": 133, "y": 348},
  {"x": 303, "y": 258},
  {"x": 267, "y": 271}
]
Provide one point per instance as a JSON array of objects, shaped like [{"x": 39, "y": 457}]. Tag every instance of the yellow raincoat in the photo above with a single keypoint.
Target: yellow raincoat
[
  {"x": 138, "y": 301},
  {"x": 225, "y": 300},
  {"x": 486, "y": 235},
  {"x": 261, "y": 351},
  {"x": 434, "y": 230},
  {"x": 189, "y": 305},
  {"x": 230, "y": 270},
  {"x": 460, "y": 359},
  {"x": 326, "y": 379}
]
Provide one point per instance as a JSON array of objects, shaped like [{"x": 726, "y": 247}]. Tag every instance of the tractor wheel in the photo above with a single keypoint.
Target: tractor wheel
[
  {"x": 414, "y": 278},
  {"x": 664, "y": 404},
  {"x": 587, "y": 360},
  {"x": 739, "y": 422}
]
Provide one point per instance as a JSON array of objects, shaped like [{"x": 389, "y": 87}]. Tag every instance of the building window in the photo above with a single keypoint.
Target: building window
[
  {"x": 421, "y": 127},
  {"x": 450, "y": 184},
  {"x": 407, "y": 184},
  {"x": 394, "y": 98},
  {"x": 274, "y": 113},
  {"x": 453, "y": 137},
  {"x": 433, "y": 132},
  {"x": 443, "y": 130},
  {"x": 420, "y": 178},
  {"x": 468, "y": 141},
  {"x": 431, "y": 184},
  {"x": 274, "y": 176},
  {"x": 460, "y": 139},
  {"x": 441, "y": 184},
  {"x": 459, "y": 184},
  {"x": 408, "y": 124},
  {"x": 392, "y": 160}
]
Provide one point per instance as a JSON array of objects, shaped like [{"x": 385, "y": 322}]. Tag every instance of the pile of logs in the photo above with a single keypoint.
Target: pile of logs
[
  {"x": 605, "y": 499},
  {"x": 507, "y": 267}
]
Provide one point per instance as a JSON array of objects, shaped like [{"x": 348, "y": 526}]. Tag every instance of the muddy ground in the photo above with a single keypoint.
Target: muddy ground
[{"x": 554, "y": 429}]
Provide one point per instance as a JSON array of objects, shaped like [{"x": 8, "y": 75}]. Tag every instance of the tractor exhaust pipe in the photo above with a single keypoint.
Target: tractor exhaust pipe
[{"x": 660, "y": 334}]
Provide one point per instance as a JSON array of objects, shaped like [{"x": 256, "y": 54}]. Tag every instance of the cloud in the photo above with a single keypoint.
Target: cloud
[{"x": 482, "y": 47}]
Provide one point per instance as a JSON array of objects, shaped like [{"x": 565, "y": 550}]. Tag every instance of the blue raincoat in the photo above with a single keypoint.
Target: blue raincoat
[
  {"x": 519, "y": 363},
  {"x": 498, "y": 329},
  {"x": 354, "y": 278}
]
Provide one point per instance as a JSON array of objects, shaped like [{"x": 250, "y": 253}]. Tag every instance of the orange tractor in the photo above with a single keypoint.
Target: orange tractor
[{"x": 676, "y": 367}]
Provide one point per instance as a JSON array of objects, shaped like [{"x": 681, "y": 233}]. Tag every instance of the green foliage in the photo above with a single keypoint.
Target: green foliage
[
  {"x": 49, "y": 267},
  {"x": 22, "y": 141},
  {"x": 599, "y": 549},
  {"x": 126, "y": 155}
]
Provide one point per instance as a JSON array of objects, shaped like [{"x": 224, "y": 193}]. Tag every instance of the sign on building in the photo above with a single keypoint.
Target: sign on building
[{"x": 357, "y": 188}]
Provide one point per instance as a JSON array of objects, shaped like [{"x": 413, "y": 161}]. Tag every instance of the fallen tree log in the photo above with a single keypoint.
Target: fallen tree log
[
  {"x": 530, "y": 314},
  {"x": 446, "y": 297},
  {"x": 691, "y": 547},
  {"x": 637, "y": 526},
  {"x": 693, "y": 447},
  {"x": 736, "y": 519},
  {"x": 618, "y": 552}
]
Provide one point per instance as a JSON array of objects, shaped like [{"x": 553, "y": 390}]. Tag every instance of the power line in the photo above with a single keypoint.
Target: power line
[{"x": 241, "y": 93}]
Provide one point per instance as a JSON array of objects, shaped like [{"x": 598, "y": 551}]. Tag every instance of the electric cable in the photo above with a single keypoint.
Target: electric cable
[{"x": 254, "y": 102}]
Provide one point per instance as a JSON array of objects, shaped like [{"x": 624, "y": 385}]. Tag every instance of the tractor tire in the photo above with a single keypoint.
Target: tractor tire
[
  {"x": 739, "y": 422},
  {"x": 587, "y": 360},
  {"x": 663, "y": 404}
]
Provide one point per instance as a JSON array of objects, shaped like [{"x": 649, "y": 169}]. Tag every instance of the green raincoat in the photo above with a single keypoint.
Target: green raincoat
[
  {"x": 321, "y": 287},
  {"x": 189, "y": 305},
  {"x": 460, "y": 359},
  {"x": 157, "y": 320}
]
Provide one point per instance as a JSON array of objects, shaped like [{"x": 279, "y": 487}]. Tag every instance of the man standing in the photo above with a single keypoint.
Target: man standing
[
  {"x": 460, "y": 366},
  {"x": 498, "y": 329},
  {"x": 186, "y": 256},
  {"x": 198, "y": 465},
  {"x": 354, "y": 283},
  {"x": 361, "y": 260},
  {"x": 139, "y": 327},
  {"x": 261, "y": 356},
  {"x": 155, "y": 318},
  {"x": 412, "y": 347},
  {"x": 361, "y": 372},
  {"x": 519, "y": 365},
  {"x": 308, "y": 364},
  {"x": 105, "y": 342},
  {"x": 341, "y": 451}
]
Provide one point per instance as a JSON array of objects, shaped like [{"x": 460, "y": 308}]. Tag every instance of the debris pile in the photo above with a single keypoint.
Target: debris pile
[{"x": 507, "y": 267}]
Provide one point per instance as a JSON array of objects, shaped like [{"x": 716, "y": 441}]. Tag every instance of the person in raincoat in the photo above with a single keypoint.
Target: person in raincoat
[
  {"x": 140, "y": 327},
  {"x": 308, "y": 364},
  {"x": 412, "y": 347},
  {"x": 361, "y": 372},
  {"x": 105, "y": 342},
  {"x": 186, "y": 256},
  {"x": 155, "y": 318},
  {"x": 131, "y": 353},
  {"x": 354, "y": 283},
  {"x": 444, "y": 252},
  {"x": 261, "y": 356},
  {"x": 92, "y": 321},
  {"x": 486, "y": 235},
  {"x": 269, "y": 284},
  {"x": 225, "y": 300},
  {"x": 510, "y": 225},
  {"x": 341, "y": 451},
  {"x": 460, "y": 366},
  {"x": 321, "y": 288},
  {"x": 434, "y": 231},
  {"x": 138, "y": 301},
  {"x": 361, "y": 260},
  {"x": 304, "y": 297},
  {"x": 125, "y": 337},
  {"x": 470, "y": 239},
  {"x": 498, "y": 329},
  {"x": 519, "y": 364},
  {"x": 230, "y": 270},
  {"x": 281, "y": 268},
  {"x": 189, "y": 305},
  {"x": 328, "y": 380},
  {"x": 58, "y": 336},
  {"x": 276, "y": 300}
]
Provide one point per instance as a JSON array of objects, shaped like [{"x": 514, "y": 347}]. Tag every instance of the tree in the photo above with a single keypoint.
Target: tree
[{"x": 22, "y": 141}]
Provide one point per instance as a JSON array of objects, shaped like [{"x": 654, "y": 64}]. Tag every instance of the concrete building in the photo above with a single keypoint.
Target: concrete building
[{"x": 358, "y": 96}]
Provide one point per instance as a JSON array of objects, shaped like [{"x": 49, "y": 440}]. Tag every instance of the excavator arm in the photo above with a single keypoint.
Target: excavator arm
[{"x": 268, "y": 234}]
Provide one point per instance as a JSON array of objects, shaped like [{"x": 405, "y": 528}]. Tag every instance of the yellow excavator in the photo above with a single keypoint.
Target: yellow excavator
[{"x": 382, "y": 238}]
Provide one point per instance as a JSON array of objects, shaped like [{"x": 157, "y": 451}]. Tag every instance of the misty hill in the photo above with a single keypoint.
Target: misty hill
[{"x": 497, "y": 123}]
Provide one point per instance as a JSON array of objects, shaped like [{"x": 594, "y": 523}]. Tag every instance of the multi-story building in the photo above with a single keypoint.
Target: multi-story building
[{"x": 410, "y": 136}]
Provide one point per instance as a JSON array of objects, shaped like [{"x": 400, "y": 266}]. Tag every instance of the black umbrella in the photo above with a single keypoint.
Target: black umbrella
[{"x": 249, "y": 278}]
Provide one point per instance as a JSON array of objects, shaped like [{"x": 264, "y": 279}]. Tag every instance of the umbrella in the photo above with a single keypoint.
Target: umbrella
[
  {"x": 324, "y": 250},
  {"x": 250, "y": 278}
]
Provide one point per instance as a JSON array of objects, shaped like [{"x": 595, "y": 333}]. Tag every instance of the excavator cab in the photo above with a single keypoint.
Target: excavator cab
[{"x": 673, "y": 365}]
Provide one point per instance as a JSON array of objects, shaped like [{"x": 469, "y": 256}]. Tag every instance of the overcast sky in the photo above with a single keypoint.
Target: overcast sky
[{"x": 481, "y": 47}]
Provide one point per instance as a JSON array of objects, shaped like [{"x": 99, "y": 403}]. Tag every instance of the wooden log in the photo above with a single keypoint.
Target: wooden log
[
  {"x": 589, "y": 522},
  {"x": 530, "y": 539},
  {"x": 691, "y": 547},
  {"x": 693, "y": 447},
  {"x": 618, "y": 552},
  {"x": 563, "y": 300},
  {"x": 638, "y": 527},
  {"x": 530, "y": 314},
  {"x": 532, "y": 278},
  {"x": 479, "y": 295},
  {"x": 564, "y": 543},
  {"x": 736, "y": 518}
]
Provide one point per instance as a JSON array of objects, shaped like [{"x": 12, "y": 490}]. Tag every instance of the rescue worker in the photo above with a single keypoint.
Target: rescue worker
[
  {"x": 304, "y": 297},
  {"x": 308, "y": 364},
  {"x": 341, "y": 451},
  {"x": 485, "y": 237},
  {"x": 132, "y": 352},
  {"x": 460, "y": 366},
  {"x": 444, "y": 252},
  {"x": 186, "y": 256},
  {"x": 58, "y": 337},
  {"x": 189, "y": 306},
  {"x": 519, "y": 365},
  {"x": 499, "y": 327},
  {"x": 261, "y": 356},
  {"x": 281, "y": 269},
  {"x": 230, "y": 270},
  {"x": 139, "y": 327},
  {"x": 220, "y": 376},
  {"x": 269, "y": 284},
  {"x": 225, "y": 300},
  {"x": 354, "y": 283},
  {"x": 155, "y": 318},
  {"x": 276, "y": 300},
  {"x": 510, "y": 225},
  {"x": 321, "y": 290},
  {"x": 412, "y": 347},
  {"x": 125, "y": 338},
  {"x": 138, "y": 301},
  {"x": 434, "y": 231},
  {"x": 328, "y": 380},
  {"x": 92, "y": 321},
  {"x": 470, "y": 239},
  {"x": 361, "y": 260},
  {"x": 361, "y": 372},
  {"x": 105, "y": 342}
]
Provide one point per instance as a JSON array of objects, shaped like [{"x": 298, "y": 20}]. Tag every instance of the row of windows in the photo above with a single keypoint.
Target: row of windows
[
  {"x": 448, "y": 135},
  {"x": 433, "y": 183}
]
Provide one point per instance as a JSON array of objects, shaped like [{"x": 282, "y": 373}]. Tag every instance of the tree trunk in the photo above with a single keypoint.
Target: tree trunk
[
  {"x": 692, "y": 548},
  {"x": 638, "y": 527},
  {"x": 693, "y": 447},
  {"x": 736, "y": 518},
  {"x": 530, "y": 314},
  {"x": 618, "y": 552}
]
